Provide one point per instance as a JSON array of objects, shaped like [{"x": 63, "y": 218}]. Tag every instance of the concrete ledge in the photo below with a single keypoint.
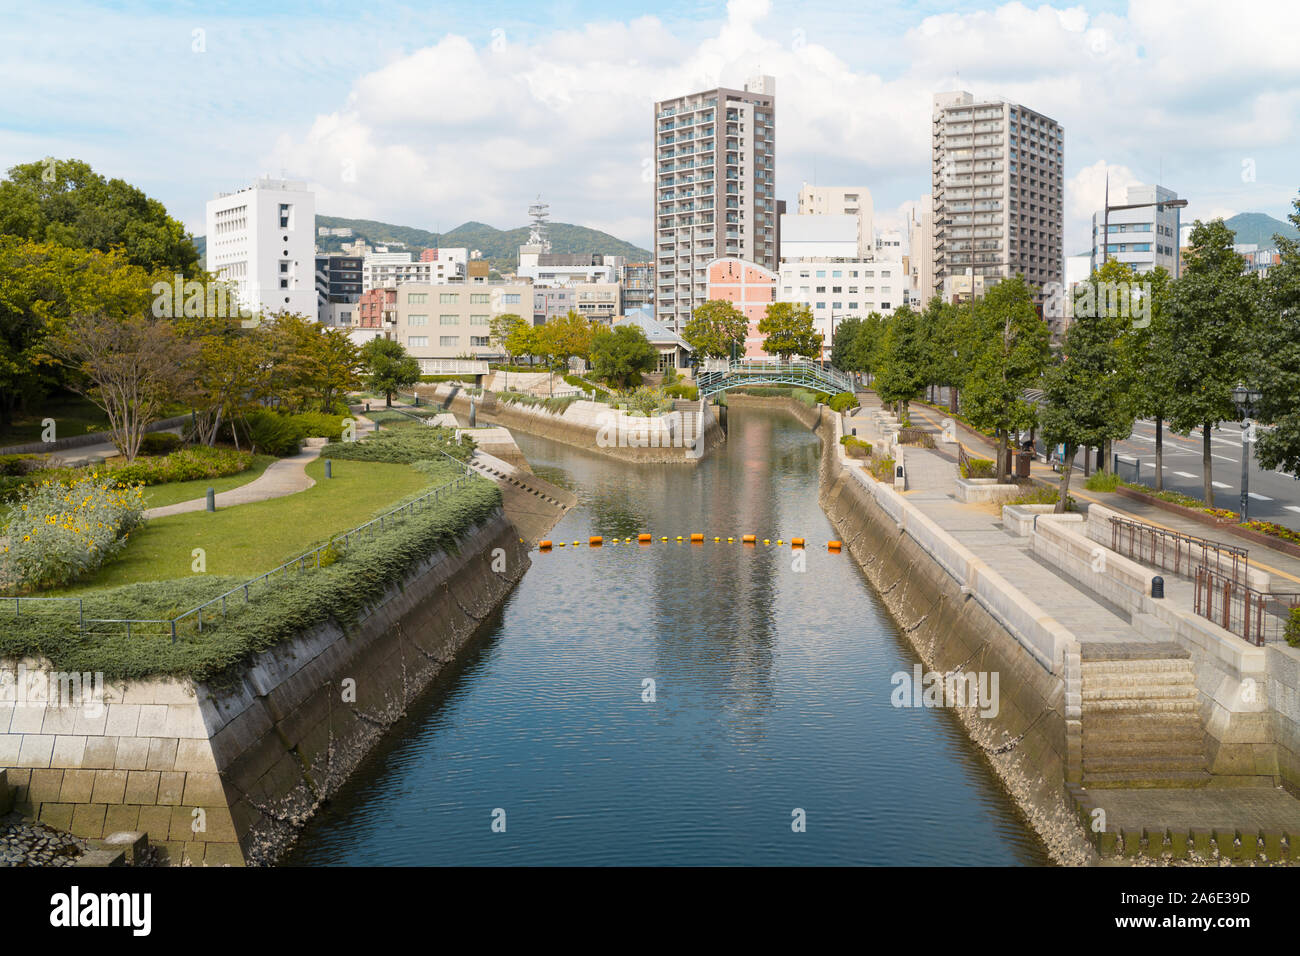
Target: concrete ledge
[{"x": 985, "y": 491}]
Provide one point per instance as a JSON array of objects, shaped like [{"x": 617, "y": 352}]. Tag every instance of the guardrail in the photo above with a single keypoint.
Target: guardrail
[
  {"x": 1176, "y": 551},
  {"x": 298, "y": 564},
  {"x": 1255, "y": 616}
]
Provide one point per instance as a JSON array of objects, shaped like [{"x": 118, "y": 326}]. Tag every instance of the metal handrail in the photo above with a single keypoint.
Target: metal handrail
[
  {"x": 1257, "y": 617},
  {"x": 298, "y": 563},
  {"x": 1165, "y": 549},
  {"x": 719, "y": 378}
]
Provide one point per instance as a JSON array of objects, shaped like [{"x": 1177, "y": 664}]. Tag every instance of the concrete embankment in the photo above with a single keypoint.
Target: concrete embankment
[
  {"x": 958, "y": 619},
  {"x": 227, "y": 774},
  {"x": 595, "y": 426}
]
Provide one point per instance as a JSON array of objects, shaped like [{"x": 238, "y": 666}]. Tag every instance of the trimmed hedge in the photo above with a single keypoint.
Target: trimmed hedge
[
  {"x": 341, "y": 591},
  {"x": 842, "y": 401},
  {"x": 855, "y": 447},
  {"x": 403, "y": 445}
]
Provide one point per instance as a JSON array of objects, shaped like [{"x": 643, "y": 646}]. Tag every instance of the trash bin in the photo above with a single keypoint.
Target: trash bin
[{"x": 1023, "y": 460}]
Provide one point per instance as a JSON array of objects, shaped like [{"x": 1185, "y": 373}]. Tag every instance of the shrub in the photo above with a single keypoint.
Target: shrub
[
  {"x": 690, "y": 393},
  {"x": 403, "y": 445},
  {"x": 59, "y": 531},
  {"x": 1041, "y": 495},
  {"x": 842, "y": 402},
  {"x": 272, "y": 433},
  {"x": 186, "y": 464},
  {"x": 159, "y": 443},
  {"x": 645, "y": 401},
  {"x": 14, "y": 465},
  {"x": 1102, "y": 481},
  {"x": 855, "y": 447},
  {"x": 1292, "y": 631},
  {"x": 978, "y": 468},
  {"x": 578, "y": 381},
  {"x": 318, "y": 425},
  {"x": 881, "y": 468},
  {"x": 1274, "y": 529}
]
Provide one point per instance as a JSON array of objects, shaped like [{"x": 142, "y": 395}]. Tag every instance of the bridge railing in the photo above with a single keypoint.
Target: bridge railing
[{"x": 718, "y": 375}]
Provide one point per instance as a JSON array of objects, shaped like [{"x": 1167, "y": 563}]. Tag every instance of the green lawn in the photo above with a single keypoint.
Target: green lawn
[
  {"x": 246, "y": 540},
  {"x": 156, "y": 496},
  {"x": 71, "y": 413}
]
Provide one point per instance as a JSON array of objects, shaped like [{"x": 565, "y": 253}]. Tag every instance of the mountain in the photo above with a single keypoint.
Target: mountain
[
  {"x": 500, "y": 246},
  {"x": 1259, "y": 228}
]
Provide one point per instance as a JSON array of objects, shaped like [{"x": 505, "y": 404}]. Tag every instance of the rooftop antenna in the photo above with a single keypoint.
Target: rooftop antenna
[{"x": 539, "y": 230}]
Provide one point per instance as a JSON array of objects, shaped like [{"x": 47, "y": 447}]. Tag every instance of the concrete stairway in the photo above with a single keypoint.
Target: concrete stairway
[
  {"x": 690, "y": 417},
  {"x": 1141, "y": 723}
]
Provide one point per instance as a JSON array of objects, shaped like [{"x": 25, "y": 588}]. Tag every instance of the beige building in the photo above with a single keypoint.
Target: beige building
[
  {"x": 454, "y": 321},
  {"x": 843, "y": 201},
  {"x": 998, "y": 177},
  {"x": 920, "y": 227}
]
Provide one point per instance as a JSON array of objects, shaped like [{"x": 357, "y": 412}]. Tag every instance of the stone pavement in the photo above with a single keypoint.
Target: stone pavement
[
  {"x": 1248, "y": 808},
  {"x": 930, "y": 486},
  {"x": 286, "y": 476},
  {"x": 1284, "y": 567}
]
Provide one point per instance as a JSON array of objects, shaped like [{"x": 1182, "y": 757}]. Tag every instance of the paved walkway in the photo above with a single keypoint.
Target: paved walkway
[
  {"x": 287, "y": 476},
  {"x": 1284, "y": 567},
  {"x": 90, "y": 454},
  {"x": 931, "y": 481}
]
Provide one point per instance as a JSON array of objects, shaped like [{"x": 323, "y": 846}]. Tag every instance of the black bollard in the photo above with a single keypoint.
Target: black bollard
[
  {"x": 1157, "y": 587},
  {"x": 212, "y": 499},
  {"x": 329, "y": 473}
]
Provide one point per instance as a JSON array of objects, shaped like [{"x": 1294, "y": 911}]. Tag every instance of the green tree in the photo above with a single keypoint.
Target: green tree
[
  {"x": 522, "y": 338},
  {"x": 227, "y": 370},
  {"x": 715, "y": 327},
  {"x": 1012, "y": 350},
  {"x": 1278, "y": 358},
  {"x": 499, "y": 329},
  {"x": 842, "y": 344},
  {"x": 788, "y": 327},
  {"x": 1089, "y": 394},
  {"x": 389, "y": 367},
  {"x": 67, "y": 202},
  {"x": 865, "y": 354},
  {"x": 1146, "y": 343},
  {"x": 902, "y": 366},
  {"x": 1212, "y": 310},
  {"x": 311, "y": 365},
  {"x": 621, "y": 354},
  {"x": 563, "y": 338}
]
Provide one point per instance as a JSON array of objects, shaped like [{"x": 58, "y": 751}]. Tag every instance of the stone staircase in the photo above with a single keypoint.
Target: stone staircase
[{"x": 1140, "y": 718}]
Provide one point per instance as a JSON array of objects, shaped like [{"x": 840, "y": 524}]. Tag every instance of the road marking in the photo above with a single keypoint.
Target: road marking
[
  {"x": 1183, "y": 474},
  {"x": 1224, "y": 458},
  {"x": 1259, "y": 497},
  {"x": 1219, "y": 484},
  {"x": 1295, "y": 508}
]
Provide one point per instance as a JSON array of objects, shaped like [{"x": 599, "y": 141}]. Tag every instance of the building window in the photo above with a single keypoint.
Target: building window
[
  {"x": 417, "y": 320},
  {"x": 479, "y": 298},
  {"x": 286, "y": 210},
  {"x": 449, "y": 320},
  {"x": 417, "y": 341},
  {"x": 449, "y": 341},
  {"x": 479, "y": 341},
  {"x": 510, "y": 298},
  {"x": 449, "y": 298},
  {"x": 479, "y": 320},
  {"x": 417, "y": 298}
]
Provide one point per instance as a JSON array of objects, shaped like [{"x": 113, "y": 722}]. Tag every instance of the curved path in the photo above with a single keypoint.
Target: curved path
[{"x": 284, "y": 477}]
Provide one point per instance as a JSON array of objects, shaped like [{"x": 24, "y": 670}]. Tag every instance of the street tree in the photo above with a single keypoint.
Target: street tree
[
  {"x": 1212, "y": 310},
  {"x": 620, "y": 355},
  {"x": 715, "y": 328},
  {"x": 901, "y": 370},
  {"x": 1279, "y": 358}
]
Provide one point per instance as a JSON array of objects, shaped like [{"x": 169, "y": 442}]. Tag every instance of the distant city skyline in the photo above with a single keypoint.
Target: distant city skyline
[{"x": 429, "y": 119}]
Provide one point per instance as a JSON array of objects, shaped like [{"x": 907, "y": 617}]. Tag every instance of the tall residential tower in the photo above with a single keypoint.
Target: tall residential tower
[
  {"x": 998, "y": 190},
  {"x": 714, "y": 184}
]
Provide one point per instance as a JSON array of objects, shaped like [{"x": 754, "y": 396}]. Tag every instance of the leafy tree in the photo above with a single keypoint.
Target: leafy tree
[
  {"x": 131, "y": 368},
  {"x": 1012, "y": 347},
  {"x": 1146, "y": 345},
  {"x": 842, "y": 344},
  {"x": 620, "y": 355},
  {"x": 1279, "y": 358},
  {"x": 788, "y": 327},
  {"x": 311, "y": 365},
  {"x": 951, "y": 344},
  {"x": 1089, "y": 394},
  {"x": 1212, "y": 310},
  {"x": 901, "y": 371},
  {"x": 67, "y": 202},
  {"x": 714, "y": 328},
  {"x": 388, "y": 367},
  {"x": 499, "y": 329},
  {"x": 227, "y": 370},
  {"x": 563, "y": 338},
  {"x": 865, "y": 354},
  {"x": 522, "y": 338},
  {"x": 44, "y": 284}
]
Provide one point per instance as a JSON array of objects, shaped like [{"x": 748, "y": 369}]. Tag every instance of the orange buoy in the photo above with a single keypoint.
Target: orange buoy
[
  {"x": 544, "y": 545},
  {"x": 832, "y": 545},
  {"x": 796, "y": 542},
  {"x": 697, "y": 539},
  {"x": 749, "y": 539},
  {"x": 595, "y": 541},
  {"x": 644, "y": 538}
]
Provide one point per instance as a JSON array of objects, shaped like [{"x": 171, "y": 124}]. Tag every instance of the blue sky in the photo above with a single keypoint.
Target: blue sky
[{"x": 431, "y": 114}]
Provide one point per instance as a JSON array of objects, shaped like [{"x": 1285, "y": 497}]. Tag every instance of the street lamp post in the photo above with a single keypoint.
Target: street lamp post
[
  {"x": 1245, "y": 399},
  {"x": 1160, "y": 206}
]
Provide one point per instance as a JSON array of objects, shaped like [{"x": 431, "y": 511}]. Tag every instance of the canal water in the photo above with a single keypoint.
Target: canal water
[{"x": 771, "y": 695}]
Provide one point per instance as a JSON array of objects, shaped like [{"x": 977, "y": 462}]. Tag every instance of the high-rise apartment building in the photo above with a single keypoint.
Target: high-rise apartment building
[
  {"x": 714, "y": 183},
  {"x": 998, "y": 191},
  {"x": 263, "y": 240}
]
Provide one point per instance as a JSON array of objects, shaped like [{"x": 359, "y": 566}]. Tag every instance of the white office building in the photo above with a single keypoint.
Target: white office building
[
  {"x": 559, "y": 269},
  {"x": 1141, "y": 238},
  {"x": 383, "y": 270},
  {"x": 263, "y": 240}
]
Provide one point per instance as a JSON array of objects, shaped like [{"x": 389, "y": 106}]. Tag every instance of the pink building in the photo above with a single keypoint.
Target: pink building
[{"x": 750, "y": 288}]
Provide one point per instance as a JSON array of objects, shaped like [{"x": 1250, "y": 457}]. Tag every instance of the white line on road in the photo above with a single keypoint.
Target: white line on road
[
  {"x": 1259, "y": 497},
  {"x": 1219, "y": 484},
  {"x": 1183, "y": 474},
  {"x": 1295, "y": 508}
]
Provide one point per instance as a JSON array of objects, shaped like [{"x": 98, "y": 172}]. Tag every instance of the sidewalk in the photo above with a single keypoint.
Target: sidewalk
[
  {"x": 287, "y": 476},
  {"x": 1284, "y": 567}
]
